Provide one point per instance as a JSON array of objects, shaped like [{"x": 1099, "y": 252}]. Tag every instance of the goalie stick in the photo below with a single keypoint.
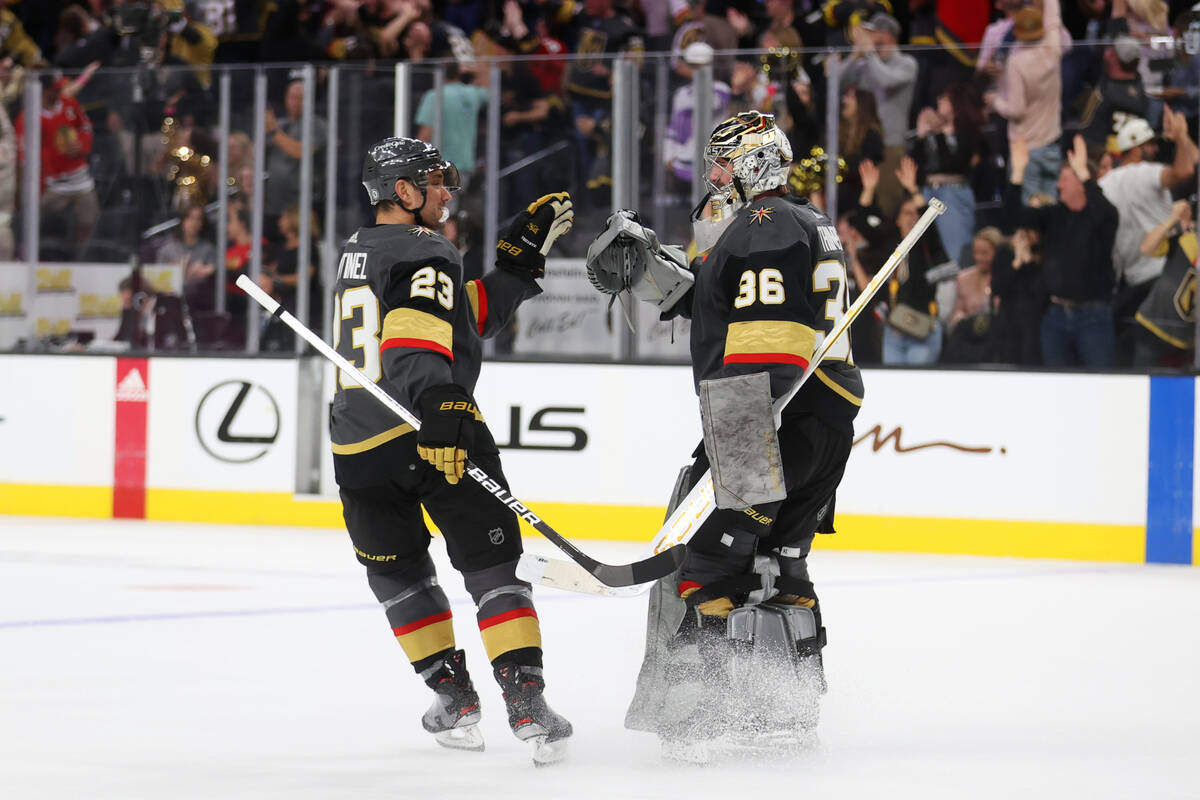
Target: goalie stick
[
  {"x": 700, "y": 502},
  {"x": 662, "y": 562}
]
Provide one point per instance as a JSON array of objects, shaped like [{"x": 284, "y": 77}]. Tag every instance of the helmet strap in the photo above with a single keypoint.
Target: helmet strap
[{"x": 416, "y": 212}]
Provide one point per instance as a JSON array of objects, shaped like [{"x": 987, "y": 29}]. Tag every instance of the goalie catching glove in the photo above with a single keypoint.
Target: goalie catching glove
[
  {"x": 523, "y": 248},
  {"x": 627, "y": 256},
  {"x": 447, "y": 429}
]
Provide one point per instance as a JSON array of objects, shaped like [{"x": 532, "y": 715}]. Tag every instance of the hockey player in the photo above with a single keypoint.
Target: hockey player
[
  {"x": 404, "y": 315},
  {"x": 770, "y": 284}
]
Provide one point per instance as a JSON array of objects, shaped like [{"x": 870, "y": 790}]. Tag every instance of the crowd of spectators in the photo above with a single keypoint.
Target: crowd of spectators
[{"x": 1060, "y": 134}]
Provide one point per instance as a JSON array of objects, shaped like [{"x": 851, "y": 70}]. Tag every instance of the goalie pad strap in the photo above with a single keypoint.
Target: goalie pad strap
[{"x": 725, "y": 587}]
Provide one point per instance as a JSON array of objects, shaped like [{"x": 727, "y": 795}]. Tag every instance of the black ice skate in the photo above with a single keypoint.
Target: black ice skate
[
  {"x": 531, "y": 719},
  {"x": 453, "y": 719}
]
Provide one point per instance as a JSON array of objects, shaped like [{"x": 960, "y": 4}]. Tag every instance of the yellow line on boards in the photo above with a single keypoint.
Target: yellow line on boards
[
  {"x": 1023, "y": 539},
  {"x": 36, "y": 500}
]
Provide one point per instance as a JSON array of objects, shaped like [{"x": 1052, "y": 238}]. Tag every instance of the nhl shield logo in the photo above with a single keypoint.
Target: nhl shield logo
[{"x": 496, "y": 535}]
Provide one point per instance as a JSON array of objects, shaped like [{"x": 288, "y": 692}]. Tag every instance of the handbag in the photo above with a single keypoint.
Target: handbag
[{"x": 911, "y": 322}]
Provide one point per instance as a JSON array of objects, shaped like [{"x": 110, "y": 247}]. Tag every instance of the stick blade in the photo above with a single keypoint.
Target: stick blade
[{"x": 568, "y": 576}]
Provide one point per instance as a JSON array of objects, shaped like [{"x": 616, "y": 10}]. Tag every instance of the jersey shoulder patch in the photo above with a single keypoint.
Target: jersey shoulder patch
[{"x": 768, "y": 224}]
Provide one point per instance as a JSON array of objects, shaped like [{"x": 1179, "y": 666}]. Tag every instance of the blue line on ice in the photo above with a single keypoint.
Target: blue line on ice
[{"x": 544, "y": 597}]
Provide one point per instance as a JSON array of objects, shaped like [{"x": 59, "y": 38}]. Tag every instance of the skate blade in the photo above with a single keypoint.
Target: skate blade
[
  {"x": 465, "y": 737},
  {"x": 695, "y": 753},
  {"x": 545, "y": 752}
]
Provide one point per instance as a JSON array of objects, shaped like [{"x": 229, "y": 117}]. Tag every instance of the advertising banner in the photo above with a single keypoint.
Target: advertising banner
[
  {"x": 223, "y": 424},
  {"x": 569, "y": 317},
  {"x": 1000, "y": 445},
  {"x": 969, "y": 445},
  {"x": 56, "y": 420}
]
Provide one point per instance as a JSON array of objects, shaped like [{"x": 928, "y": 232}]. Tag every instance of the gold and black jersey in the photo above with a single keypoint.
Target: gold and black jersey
[
  {"x": 404, "y": 316},
  {"x": 1169, "y": 311},
  {"x": 600, "y": 39},
  {"x": 235, "y": 20},
  {"x": 766, "y": 295}
]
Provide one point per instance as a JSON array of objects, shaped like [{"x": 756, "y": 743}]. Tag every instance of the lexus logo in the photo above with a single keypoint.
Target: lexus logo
[{"x": 237, "y": 421}]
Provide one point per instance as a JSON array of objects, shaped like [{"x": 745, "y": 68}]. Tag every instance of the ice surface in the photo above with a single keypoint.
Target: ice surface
[{"x": 152, "y": 660}]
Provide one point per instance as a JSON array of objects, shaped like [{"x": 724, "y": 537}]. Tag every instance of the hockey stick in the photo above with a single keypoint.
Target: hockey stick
[
  {"x": 700, "y": 502},
  {"x": 661, "y": 562}
]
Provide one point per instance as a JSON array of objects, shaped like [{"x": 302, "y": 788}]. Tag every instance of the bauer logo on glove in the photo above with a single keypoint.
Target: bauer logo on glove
[
  {"x": 447, "y": 431},
  {"x": 523, "y": 248}
]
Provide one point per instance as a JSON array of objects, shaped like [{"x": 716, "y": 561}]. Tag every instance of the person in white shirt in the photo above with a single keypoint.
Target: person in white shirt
[{"x": 1140, "y": 188}]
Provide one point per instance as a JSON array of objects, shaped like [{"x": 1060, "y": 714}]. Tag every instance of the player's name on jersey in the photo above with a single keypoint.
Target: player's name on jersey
[
  {"x": 353, "y": 267},
  {"x": 829, "y": 238}
]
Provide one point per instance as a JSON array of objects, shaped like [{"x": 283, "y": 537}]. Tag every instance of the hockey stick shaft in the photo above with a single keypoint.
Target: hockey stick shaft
[
  {"x": 700, "y": 502},
  {"x": 648, "y": 569}
]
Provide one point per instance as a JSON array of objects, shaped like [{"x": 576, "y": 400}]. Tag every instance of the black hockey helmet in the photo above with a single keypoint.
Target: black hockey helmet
[{"x": 398, "y": 157}]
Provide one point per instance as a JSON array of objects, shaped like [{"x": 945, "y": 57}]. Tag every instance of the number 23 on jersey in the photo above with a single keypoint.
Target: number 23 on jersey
[{"x": 359, "y": 304}]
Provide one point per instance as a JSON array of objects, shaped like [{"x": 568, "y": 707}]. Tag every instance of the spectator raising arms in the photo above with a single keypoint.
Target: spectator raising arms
[
  {"x": 69, "y": 192},
  {"x": 1077, "y": 234},
  {"x": 1141, "y": 191},
  {"x": 1030, "y": 97},
  {"x": 860, "y": 138},
  {"x": 1020, "y": 298},
  {"x": 877, "y": 66},
  {"x": 913, "y": 335},
  {"x": 947, "y": 150}
]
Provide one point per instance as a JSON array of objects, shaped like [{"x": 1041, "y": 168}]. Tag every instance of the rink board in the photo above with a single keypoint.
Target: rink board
[{"x": 1095, "y": 467}]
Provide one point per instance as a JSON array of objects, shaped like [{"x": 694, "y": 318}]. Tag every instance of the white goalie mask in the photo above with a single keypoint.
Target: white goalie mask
[
  {"x": 712, "y": 217},
  {"x": 753, "y": 156}
]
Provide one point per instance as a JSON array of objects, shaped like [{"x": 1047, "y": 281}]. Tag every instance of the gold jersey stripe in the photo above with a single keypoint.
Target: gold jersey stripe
[
  {"x": 373, "y": 442},
  {"x": 1160, "y": 333},
  {"x": 511, "y": 635},
  {"x": 1190, "y": 246},
  {"x": 840, "y": 390},
  {"x": 770, "y": 336},
  {"x": 409, "y": 323},
  {"x": 426, "y": 641}
]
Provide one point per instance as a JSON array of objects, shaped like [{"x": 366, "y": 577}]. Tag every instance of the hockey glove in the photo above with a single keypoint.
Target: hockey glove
[
  {"x": 523, "y": 249},
  {"x": 447, "y": 428}
]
